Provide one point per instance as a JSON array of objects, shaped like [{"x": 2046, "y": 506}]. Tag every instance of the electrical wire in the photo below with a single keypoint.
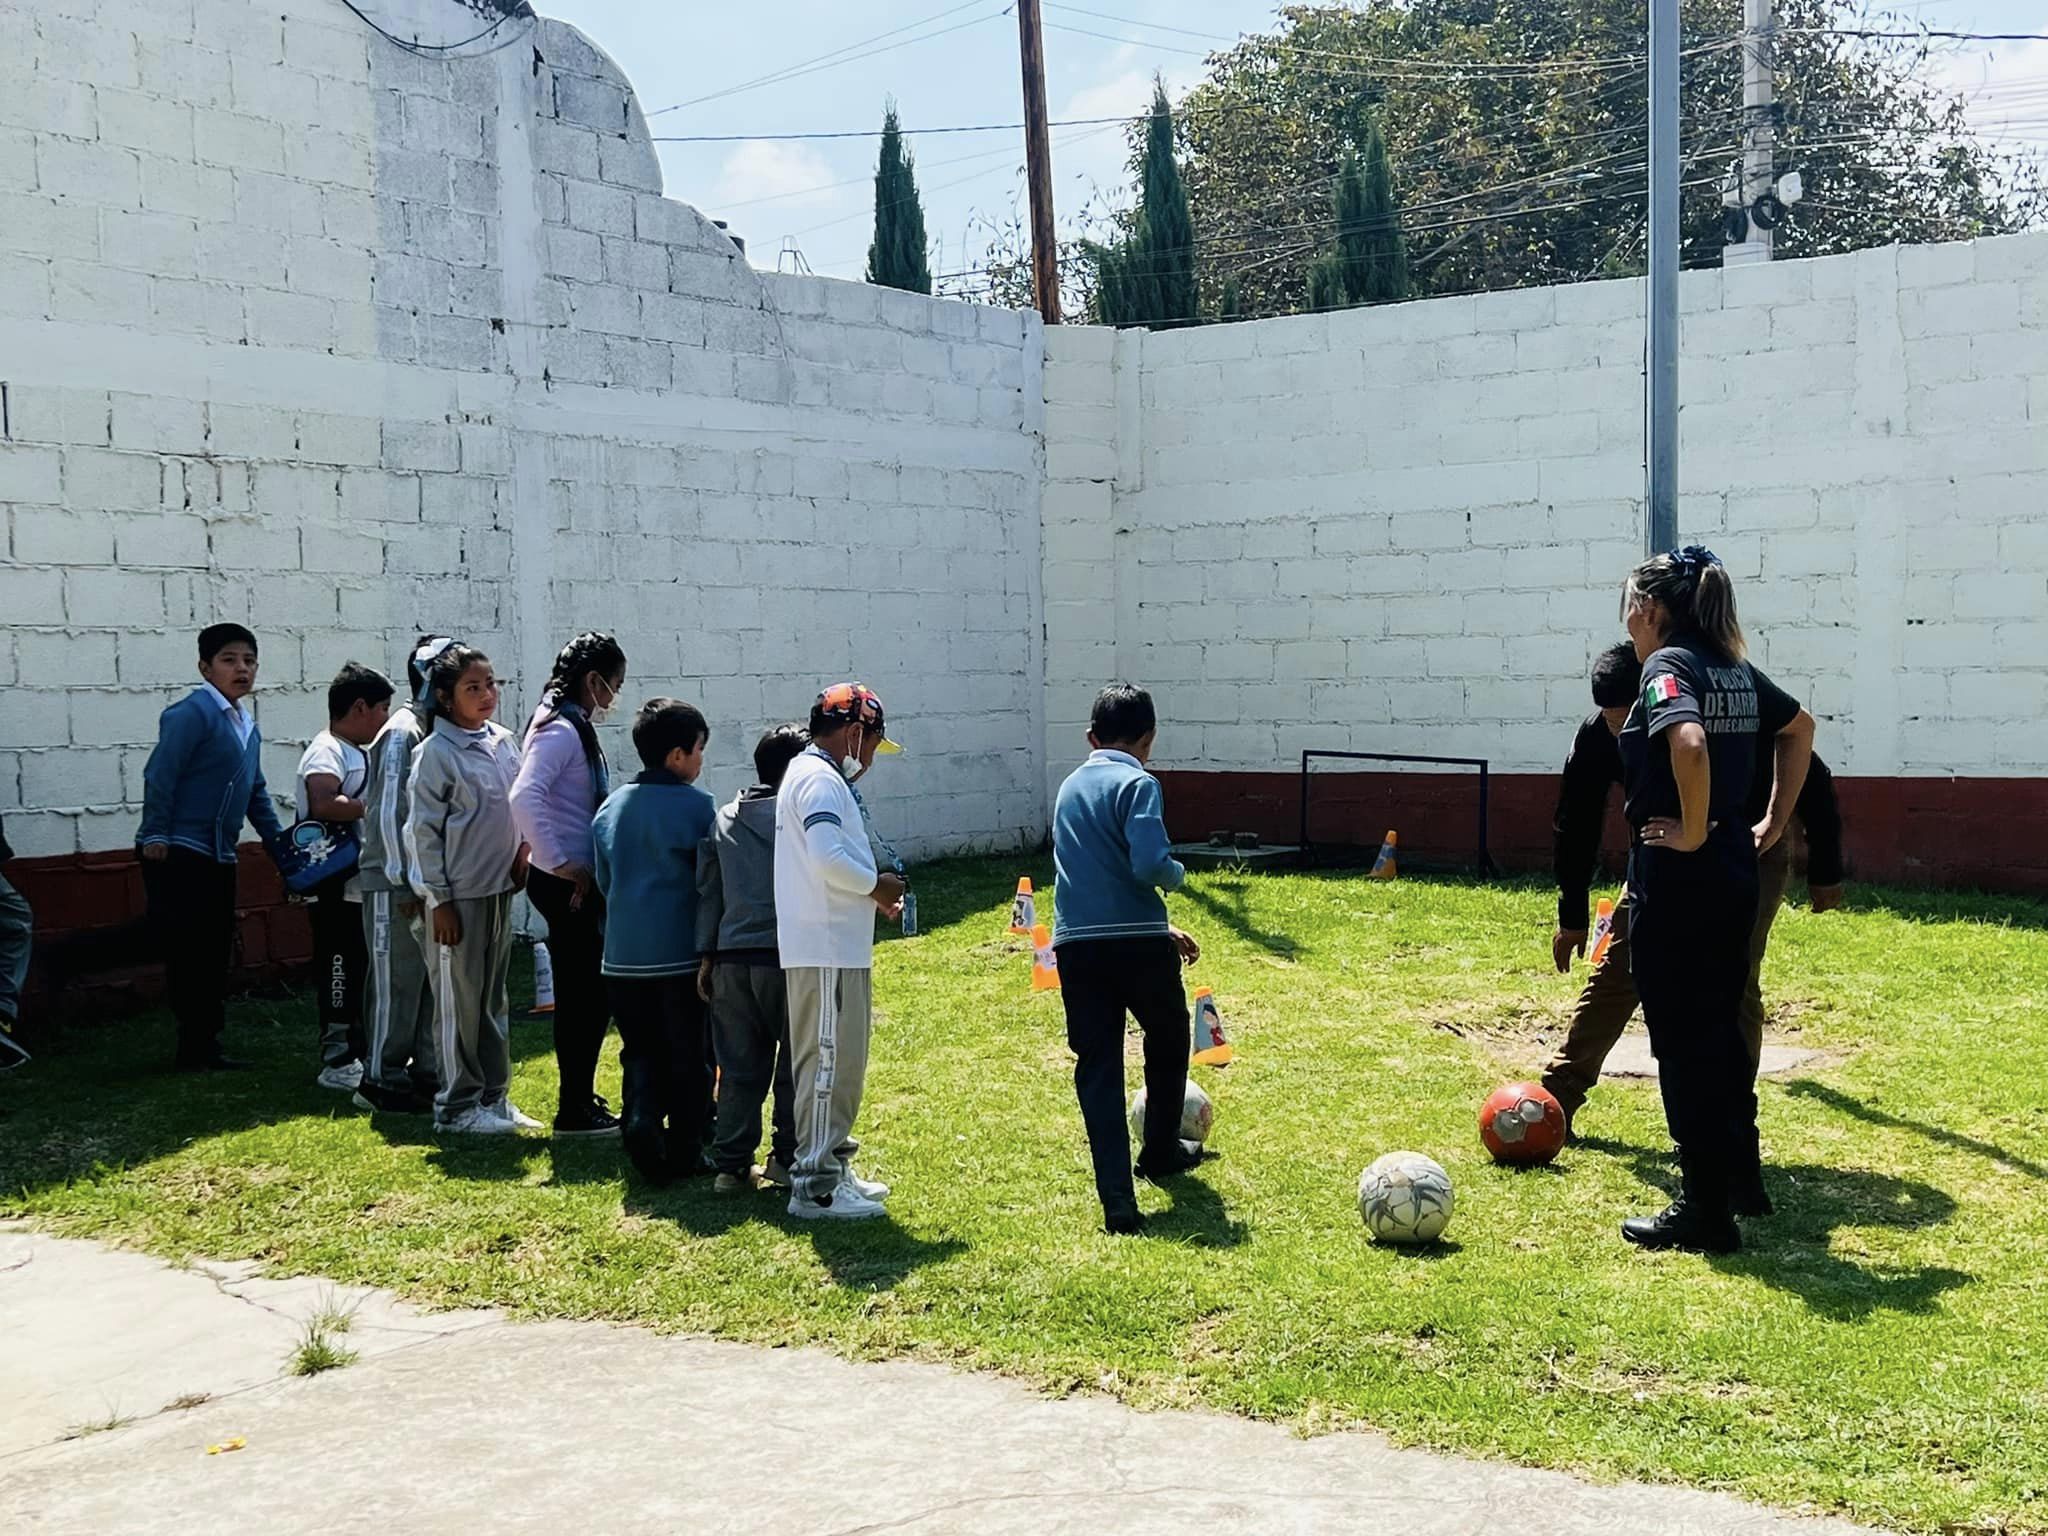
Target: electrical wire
[
  {"x": 525, "y": 14},
  {"x": 832, "y": 59}
]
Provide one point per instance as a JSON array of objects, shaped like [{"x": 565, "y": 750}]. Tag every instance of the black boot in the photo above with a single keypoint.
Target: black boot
[
  {"x": 1749, "y": 1197},
  {"x": 1697, "y": 1221},
  {"x": 1682, "y": 1224}
]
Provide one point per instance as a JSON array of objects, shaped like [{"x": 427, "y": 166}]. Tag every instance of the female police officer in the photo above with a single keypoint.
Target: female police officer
[{"x": 1687, "y": 752}]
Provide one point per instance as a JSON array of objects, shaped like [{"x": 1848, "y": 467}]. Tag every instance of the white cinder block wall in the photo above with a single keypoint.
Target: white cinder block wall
[
  {"x": 305, "y": 330},
  {"x": 1405, "y": 528}
]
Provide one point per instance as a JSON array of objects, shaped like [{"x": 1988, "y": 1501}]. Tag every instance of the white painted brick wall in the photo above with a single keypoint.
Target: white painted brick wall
[
  {"x": 297, "y": 329},
  {"x": 1423, "y": 553}
]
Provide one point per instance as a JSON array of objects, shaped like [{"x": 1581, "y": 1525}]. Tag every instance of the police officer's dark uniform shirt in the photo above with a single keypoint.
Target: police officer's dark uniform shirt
[{"x": 1731, "y": 701}]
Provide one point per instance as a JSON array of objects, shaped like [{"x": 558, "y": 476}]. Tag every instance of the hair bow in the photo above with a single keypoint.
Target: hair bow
[{"x": 1693, "y": 559}]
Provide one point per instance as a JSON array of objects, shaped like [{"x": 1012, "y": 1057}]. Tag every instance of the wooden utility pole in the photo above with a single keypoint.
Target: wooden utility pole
[{"x": 1045, "y": 256}]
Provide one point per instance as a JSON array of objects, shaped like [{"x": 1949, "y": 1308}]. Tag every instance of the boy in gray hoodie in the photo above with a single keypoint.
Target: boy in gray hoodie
[{"x": 740, "y": 974}]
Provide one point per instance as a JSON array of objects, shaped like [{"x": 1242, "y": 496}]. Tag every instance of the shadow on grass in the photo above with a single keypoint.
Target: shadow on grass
[
  {"x": 1195, "y": 1216},
  {"x": 1832, "y": 1098},
  {"x": 1791, "y": 1251},
  {"x": 1228, "y": 900},
  {"x": 859, "y": 1255},
  {"x": 1918, "y": 905}
]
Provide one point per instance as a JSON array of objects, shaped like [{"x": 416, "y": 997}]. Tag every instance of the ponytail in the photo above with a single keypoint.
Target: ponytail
[{"x": 1696, "y": 590}]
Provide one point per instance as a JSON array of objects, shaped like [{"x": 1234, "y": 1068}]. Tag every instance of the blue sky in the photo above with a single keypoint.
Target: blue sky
[{"x": 960, "y": 67}]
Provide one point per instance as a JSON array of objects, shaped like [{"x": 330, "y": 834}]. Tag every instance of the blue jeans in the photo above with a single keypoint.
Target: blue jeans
[{"x": 16, "y": 924}]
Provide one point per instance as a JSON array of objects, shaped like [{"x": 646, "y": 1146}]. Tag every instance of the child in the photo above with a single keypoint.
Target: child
[
  {"x": 465, "y": 860},
  {"x": 332, "y": 773},
  {"x": 204, "y": 778},
  {"x": 827, "y": 891},
  {"x": 645, "y": 863},
  {"x": 400, "y": 1074},
  {"x": 17, "y": 927},
  {"x": 739, "y": 973},
  {"x": 1118, "y": 953},
  {"x": 563, "y": 779}
]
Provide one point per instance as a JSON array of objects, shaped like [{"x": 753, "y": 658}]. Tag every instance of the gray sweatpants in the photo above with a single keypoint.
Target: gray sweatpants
[
  {"x": 398, "y": 1004},
  {"x": 829, "y": 1017},
  {"x": 750, "y": 1038},
  {"x": 471, "y": 1009}
]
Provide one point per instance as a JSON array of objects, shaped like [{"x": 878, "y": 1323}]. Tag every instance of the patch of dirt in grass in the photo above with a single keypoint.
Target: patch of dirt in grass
[{"x": 1516, "y": 1032}]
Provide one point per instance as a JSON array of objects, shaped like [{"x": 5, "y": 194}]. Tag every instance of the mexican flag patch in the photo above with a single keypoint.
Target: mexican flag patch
[{"x": 1659, "y": 690}]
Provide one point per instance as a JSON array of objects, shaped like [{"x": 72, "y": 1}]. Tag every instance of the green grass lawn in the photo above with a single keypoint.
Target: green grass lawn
[{"x": 1881, "y": 1347}]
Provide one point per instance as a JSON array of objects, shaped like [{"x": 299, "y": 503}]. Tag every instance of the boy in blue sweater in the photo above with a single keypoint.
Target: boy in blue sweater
[
  {"x": 202, "y": 781},
  {"x": 1117, "y": 952},
  {"x": 645, "y": 864}
]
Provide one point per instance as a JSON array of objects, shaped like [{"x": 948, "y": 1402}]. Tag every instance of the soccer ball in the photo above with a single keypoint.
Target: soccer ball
[
  {"x": 1197, "y": 1115},
  {"x": 1522, "y": 1123},
  {"x": 1405, "y": 1197}
]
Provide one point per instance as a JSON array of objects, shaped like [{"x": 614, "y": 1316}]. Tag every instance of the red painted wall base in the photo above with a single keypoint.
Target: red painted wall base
[
  {"x": 88, "y": 916},
  {"x": 1991, "y": 833}
]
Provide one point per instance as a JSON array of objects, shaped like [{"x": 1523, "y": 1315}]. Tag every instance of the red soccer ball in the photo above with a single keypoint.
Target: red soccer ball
[{"x": 1522, "y": 1123}]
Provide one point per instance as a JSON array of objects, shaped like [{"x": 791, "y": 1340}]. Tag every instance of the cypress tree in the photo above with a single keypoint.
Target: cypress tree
[
  {"x": 896, "y": 255},
  {"x": 1353, "y": 230},
  {"x": 1384, "y": 276},
  {"x": 1148, "y": 278},
  {"x": 1326, "y": 283}
]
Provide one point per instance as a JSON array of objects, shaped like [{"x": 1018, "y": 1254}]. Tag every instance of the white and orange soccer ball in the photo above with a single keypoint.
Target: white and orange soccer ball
[
  {"x": 1405, "y": 1197},
  {"x": 1197, "y": 1115}
]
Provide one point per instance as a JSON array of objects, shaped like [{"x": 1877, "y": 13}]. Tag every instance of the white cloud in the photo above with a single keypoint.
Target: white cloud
[{"x": 796, "y": 176}]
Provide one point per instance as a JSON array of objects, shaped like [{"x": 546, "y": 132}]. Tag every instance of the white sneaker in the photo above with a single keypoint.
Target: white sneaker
[
  {"x": 845, "y": 1203},
  {"x": 477, "y": 1121},
  {"x": 867, "y": 1189},
  {"x": 510, "y": 1113},
  {"x": 346, "y": 1078}
]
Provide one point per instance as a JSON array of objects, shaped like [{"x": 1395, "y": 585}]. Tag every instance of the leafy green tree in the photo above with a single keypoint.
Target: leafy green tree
[
  {"x": 1148, "y": 277},
  {"x": 1517, "y": 130},
  {"x": 896, "y": 255},
  {"x": 1232, "y": 306}
]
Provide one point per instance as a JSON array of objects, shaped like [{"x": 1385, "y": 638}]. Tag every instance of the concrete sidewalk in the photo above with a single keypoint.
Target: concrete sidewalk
[{"x": 461, "y": 1421}]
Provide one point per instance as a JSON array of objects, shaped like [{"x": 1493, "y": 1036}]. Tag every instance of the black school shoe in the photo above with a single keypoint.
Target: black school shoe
[
  {"x": 647, "y": 1150},
  {"x": 1684, "y": 1225},
  {"x": 1123, "y": 1222},
  {"x": 383, "y": 1100},
  {"x": 592, "y": 1119},
  {"x": 1157, "y": 1166}
]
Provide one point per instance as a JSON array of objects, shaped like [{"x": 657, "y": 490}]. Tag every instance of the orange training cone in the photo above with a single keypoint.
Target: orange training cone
[
  {"x": 1023, "y": 908},
  {"x": 1211, "y": 1049},
  {"x": 1383, "y": 867},
  {"x": 1045, "y": 965},
  {"x": 1603, "y": 932}
]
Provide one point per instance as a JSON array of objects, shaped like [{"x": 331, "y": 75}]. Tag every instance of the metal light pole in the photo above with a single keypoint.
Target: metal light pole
[{"x": 1661, "y": 417}]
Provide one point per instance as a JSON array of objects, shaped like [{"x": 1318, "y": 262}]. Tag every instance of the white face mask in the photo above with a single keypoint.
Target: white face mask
[
  {"x": 599, "y": 713},
  {"x": 851, "y": 765}
]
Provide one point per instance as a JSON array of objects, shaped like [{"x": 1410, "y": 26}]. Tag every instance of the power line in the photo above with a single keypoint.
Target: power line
[
  {"x": 833, "y": 59},
  {"x": 875, "y": 133},
  {"x": 525, "y": 13}
]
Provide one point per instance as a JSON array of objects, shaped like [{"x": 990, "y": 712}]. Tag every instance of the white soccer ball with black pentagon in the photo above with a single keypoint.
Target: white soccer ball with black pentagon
[
  {"x": 1405, "y": 1197},
  {"x": 1197, "y": 1115}
]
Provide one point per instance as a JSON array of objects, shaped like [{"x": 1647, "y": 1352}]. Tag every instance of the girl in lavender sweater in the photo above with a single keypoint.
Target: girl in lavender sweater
[{"x": 563, "y": 779}]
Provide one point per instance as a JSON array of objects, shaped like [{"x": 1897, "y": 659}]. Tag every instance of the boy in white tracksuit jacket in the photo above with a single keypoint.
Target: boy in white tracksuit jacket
[
  {"x": 399, "y": 1064},
  {"x": 827, "y": 890}
]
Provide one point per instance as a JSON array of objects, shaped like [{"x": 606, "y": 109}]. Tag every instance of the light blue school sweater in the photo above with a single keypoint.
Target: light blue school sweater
[
  {"x": 1109, "y": 851},
  {"x": 646, "y": 836}
]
